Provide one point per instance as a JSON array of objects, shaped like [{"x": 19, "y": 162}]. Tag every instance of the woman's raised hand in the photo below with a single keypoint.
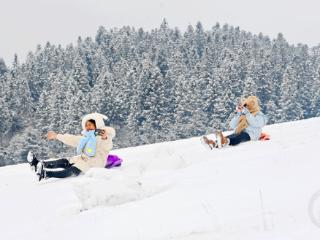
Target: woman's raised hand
[
  {"x": 239, "y": 108},
  {"x": 51, "y": 135},
  {"x": 104, "y": 134}
]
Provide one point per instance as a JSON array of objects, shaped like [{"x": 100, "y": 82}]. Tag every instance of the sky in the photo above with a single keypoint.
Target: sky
[{"x": 26, "y": 23}]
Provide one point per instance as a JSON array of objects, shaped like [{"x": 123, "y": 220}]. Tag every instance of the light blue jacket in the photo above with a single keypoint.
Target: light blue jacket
[
  {"x": 87, "y": 143},
  {"x": 255, "y": 123}
]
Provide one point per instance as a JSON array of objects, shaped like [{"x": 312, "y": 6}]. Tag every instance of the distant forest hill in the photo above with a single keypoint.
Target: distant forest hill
[{"x": 154, "y": 86}]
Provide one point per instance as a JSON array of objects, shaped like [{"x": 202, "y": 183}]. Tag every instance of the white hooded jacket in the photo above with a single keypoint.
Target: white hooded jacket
[{"x": 103, "y": 147}]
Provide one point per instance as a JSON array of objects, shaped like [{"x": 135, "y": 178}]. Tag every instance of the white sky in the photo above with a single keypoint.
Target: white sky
[{"x": 25, "y": 23}]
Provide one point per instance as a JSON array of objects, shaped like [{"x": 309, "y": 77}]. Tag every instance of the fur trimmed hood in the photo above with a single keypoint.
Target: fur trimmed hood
[{"x": 98, "y": 117}]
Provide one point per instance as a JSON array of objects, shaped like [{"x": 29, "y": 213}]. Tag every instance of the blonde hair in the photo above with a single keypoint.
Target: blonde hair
[{"x": 252, "y": 104}]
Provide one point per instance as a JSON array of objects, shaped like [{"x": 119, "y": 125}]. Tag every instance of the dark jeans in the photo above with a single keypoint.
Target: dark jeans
[
  {"x": 68, "y": 169},
  {"x": 57, "y": 163},
  {"x": 235, "y": 138}
]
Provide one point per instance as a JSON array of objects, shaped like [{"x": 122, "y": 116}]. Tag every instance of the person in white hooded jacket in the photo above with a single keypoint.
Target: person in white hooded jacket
[{"x": 86, "y": 159}]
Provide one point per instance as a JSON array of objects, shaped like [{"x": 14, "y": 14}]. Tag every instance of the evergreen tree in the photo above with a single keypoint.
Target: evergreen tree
[
  {"x": 250, "y": 86},
  {"x": 289, "y": 106},
  {"x": 3, "y": 67}
]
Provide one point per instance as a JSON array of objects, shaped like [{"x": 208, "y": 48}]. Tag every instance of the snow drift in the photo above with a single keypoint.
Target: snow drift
[{"x": 101, "y": 188}]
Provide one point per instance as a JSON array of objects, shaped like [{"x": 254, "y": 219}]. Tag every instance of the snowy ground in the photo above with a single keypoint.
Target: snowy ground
[{"x": 177, "y": 190}]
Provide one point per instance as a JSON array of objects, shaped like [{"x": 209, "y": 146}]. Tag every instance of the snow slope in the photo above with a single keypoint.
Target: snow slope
[{"x": 177, "y": 190}]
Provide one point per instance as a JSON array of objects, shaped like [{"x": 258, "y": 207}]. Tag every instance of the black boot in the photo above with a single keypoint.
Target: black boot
[
  {"x": 41, "y": 172},
  {"x": 32, "y": 160}
]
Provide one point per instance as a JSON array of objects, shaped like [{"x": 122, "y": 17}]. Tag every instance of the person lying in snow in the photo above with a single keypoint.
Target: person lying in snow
[
  {"x": 247, "y": 125},
  {"x": 92, "y": 148}
]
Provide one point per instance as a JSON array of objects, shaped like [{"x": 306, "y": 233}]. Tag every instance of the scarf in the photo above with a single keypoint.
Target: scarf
[{"x": 87, "y": 144}]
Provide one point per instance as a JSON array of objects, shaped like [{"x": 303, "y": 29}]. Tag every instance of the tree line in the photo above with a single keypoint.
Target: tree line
[{"x": 158, "y": 85}]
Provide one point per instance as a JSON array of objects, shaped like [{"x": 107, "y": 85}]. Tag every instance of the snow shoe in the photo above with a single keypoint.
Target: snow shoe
[{"x": 32, "y": 160}]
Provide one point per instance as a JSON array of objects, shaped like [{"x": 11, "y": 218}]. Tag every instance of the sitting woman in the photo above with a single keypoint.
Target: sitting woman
[
  {"x": 247, "y": 125},
  {"x": 93, "y": 148}
]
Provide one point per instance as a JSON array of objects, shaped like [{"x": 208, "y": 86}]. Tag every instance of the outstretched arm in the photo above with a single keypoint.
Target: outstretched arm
[{"x": 68, "y": 139}]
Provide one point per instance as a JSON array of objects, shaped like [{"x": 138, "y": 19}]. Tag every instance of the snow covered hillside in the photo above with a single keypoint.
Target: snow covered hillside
[{"x": 177, "y": 190}]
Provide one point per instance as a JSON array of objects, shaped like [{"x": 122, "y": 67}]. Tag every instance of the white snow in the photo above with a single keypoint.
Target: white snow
[{"x": 177, "y": 190}]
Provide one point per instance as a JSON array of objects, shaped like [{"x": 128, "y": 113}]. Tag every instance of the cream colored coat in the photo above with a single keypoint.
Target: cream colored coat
[{"x": 83, "y": 162}]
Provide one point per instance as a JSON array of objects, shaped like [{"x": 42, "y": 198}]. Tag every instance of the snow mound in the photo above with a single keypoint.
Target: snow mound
[
  {"x": 107, "y": 188},
  {"x": 143, "y": 174}
]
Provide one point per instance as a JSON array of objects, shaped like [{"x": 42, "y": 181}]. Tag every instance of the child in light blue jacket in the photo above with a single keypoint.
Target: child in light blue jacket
[{"x": 255, "y": 123}]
